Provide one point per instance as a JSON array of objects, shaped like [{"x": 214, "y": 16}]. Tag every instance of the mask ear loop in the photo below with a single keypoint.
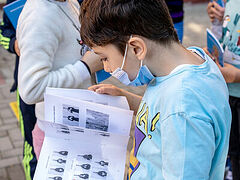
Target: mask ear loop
[{"x": 125, "y": 54}]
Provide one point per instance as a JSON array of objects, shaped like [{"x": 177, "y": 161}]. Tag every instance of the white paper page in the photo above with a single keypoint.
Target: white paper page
[
  {"x": 88, "y": 115},
  {"x": 79, "y": 134},
  {"x": 86, "y": 95},
  {"x": 64, "y": 159}
]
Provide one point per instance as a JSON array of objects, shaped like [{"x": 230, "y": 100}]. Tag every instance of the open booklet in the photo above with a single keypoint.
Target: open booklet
[
  {"x": 214, "y": 47},
  {"x": 86, "y": 136}
]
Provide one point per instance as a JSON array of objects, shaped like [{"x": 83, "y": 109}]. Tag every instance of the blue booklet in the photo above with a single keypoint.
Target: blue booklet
[
  {"x": 102, "y": 75},
  {"x": 220, "y": 2},
  {"x": 214, "y": 47},
  {"x": 13, "y": 11}
]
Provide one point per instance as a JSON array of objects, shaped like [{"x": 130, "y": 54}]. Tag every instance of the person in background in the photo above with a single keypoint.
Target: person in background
[
  {"x": 230, "y": 39},
  {"x": 26, "y": 112},
  {"x": 216, "y": 13},
  {"x": 177, "y": 13},
  {"x": 183, "y": 120},
  {"x": 52, "y": 54}
]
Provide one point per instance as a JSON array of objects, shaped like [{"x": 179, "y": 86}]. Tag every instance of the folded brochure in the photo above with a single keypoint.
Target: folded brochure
[
  {"x": 214, "y": 47},
  {"x": 86, "y": 136}
]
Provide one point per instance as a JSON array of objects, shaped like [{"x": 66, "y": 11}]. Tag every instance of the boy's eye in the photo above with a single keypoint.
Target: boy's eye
[{"x": 104, "y": 59}]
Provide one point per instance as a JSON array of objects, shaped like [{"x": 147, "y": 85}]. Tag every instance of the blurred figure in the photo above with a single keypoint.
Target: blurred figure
[
  {"x": 27, "y": 112},
  {"x": 177, "y": 13},
  {"x": 48, "y": 36},
  {"x": 230, "y": 35},
  {"x": 215, "y": 13}
]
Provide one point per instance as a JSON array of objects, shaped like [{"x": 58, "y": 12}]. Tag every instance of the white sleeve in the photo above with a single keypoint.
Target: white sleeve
[{"x": 38, "y": 42}]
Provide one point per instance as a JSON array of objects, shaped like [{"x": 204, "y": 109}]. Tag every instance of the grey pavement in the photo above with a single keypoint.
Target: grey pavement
[
  {"x": 11, "y": 142},
  {"x": 10, "y": 137}
]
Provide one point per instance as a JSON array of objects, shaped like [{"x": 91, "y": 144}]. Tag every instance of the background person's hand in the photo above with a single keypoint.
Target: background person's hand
[
  {"x": 230, "y": 73},
  {"x": 209, "y": 54},
  {"x": 93, "y": 61},
  {"x": 215, "y": 11},
  {"x": 16, "y": 48}
]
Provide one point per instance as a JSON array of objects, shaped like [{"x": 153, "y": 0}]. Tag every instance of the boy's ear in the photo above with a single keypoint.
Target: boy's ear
[{"x": 138, "y": 47}]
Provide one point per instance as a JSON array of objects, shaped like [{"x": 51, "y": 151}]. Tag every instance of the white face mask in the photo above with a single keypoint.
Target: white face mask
[{"x": 144, "y": 75}]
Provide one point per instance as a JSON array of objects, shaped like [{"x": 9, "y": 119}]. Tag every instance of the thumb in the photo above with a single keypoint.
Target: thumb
[
  {"x": 105, "y": 90},
  {"x": 110, "y": 90}
]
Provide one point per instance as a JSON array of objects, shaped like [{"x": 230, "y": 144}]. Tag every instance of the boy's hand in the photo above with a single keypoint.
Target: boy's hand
[
  {"x": 215, "y": 11},
  {"x": 133, "y": 99},
  {"x": 230, "y": 73},
  {"x": 93, "y": 61},
  {"x": 16, "y": 48},
  {"x": 107, "y": 89}
]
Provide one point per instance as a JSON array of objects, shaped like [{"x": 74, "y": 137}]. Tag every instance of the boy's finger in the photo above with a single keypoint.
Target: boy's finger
[
  {"x": 105, "y": 90},
  {"x": 94, "y": 87},
  {"x": 110, "y": 90}
]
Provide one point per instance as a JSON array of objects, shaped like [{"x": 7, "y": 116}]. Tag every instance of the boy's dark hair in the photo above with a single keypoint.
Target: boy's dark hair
[{"x": 113, "y": 21}]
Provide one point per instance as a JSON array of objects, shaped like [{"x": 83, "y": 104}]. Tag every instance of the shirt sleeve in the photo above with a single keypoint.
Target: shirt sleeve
[
  {"x": 38, "y": 41},
  {"x": 188, "y": 146}
]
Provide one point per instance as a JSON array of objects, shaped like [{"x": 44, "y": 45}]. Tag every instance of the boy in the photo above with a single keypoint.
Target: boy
[
  {"x": 230, "y": 38},
  {"x": 183, "y": 122}
]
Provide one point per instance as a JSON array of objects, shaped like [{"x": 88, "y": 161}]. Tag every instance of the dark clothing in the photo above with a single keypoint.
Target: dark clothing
[
  {"x": 7, "y": 40},
  {"x": 15, "y": 75},
  {"x": 8, "y": 31},
  {"x": 234, "y": 146},
  {"x": 26, "y": 112},
  {"x": 176, "y": 10},
  {"x": 28, "y": 121}
]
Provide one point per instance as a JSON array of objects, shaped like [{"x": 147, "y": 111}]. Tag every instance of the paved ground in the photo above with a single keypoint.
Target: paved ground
[
  {"x": 196, "y": 21},
  {"x": 10, "y": 137}
]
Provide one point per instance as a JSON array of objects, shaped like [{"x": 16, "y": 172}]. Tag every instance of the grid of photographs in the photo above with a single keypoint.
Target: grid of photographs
[
  {"x": 57, "y": 165},
  {"x": 90, "y": 166}
]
